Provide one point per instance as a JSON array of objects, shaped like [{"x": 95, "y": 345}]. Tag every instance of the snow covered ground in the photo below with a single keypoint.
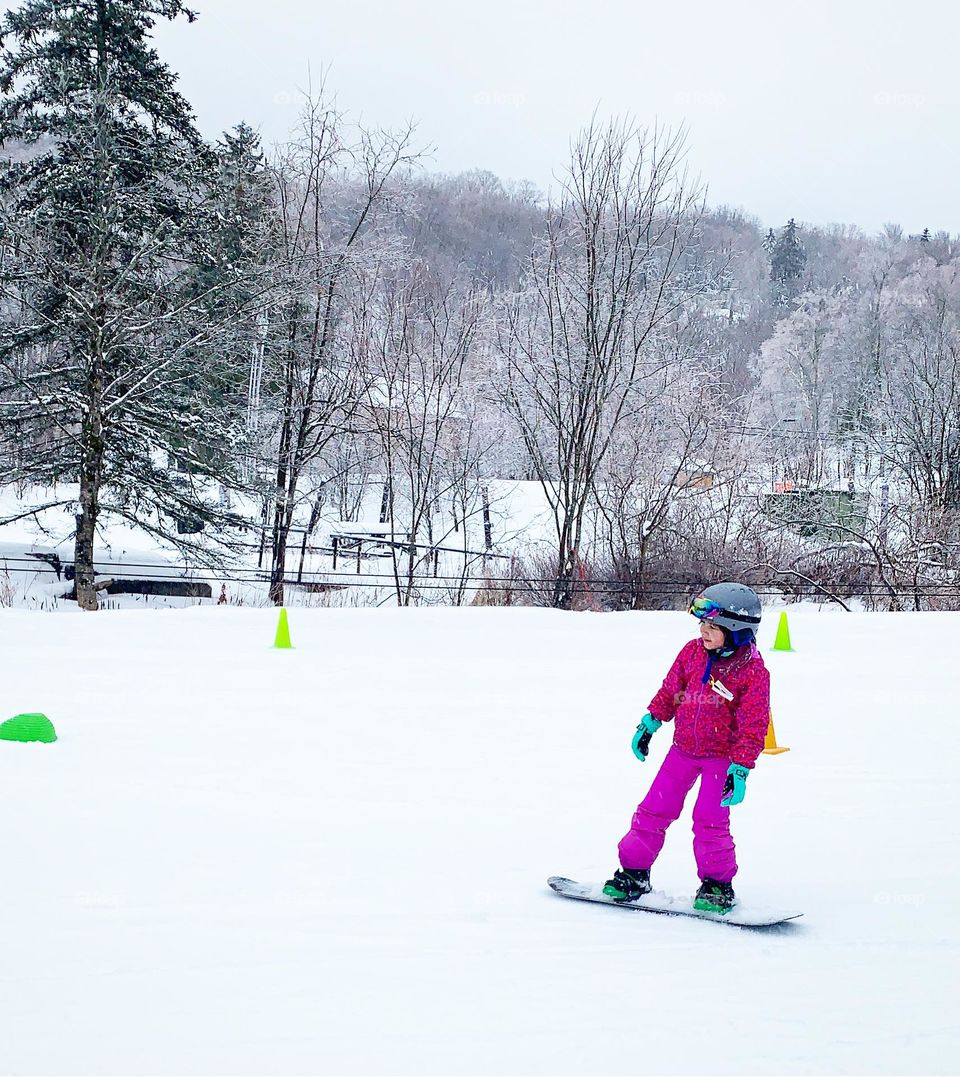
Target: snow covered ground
[
  {"x": 519, "y": 520},
  {"x": 333, "y": 859}
]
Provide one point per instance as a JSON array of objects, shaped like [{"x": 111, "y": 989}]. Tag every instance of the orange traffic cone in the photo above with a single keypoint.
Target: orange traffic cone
[{"x": 770, "y": 742}]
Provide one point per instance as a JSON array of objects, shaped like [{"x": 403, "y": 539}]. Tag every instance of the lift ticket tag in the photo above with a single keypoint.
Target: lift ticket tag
[{"x": 721, "y": 689}]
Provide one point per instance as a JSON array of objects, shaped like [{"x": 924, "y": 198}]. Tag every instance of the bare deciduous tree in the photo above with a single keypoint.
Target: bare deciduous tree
[
  {"x": 576, "y": 341},
  {"x": 427, "y": 332},
  {"x": 333, "y": 185}
]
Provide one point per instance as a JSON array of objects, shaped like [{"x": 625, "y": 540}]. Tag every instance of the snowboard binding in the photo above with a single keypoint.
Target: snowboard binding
[{"x": 628, "y": 884}]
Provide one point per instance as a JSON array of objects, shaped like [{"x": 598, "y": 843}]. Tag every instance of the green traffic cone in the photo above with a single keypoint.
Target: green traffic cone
[
  {"x": 782, "y": 642},
  {"x": 282, "y": 642},
  {"x": 28, "y": 727}
]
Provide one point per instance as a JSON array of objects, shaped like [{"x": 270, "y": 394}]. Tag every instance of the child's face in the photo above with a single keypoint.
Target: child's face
[{"x": 711, "y": 635}]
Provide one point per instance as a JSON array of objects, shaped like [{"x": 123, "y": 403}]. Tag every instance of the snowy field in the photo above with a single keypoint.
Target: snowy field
[{"x": 333, "y": 860}]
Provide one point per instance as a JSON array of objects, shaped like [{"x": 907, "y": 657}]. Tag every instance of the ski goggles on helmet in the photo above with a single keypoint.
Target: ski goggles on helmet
[{"x": 705, "y": 609}]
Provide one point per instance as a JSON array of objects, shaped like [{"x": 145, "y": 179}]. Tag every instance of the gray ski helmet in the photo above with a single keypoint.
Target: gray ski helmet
[{"x": 730, "y": 605}]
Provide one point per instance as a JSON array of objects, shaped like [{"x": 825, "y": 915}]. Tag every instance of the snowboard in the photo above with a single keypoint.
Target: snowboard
[{"x": 659, "y": 901}]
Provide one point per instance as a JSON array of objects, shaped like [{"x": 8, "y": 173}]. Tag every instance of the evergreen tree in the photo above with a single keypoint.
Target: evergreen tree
[
  {"x": 106, "y": 230},
  {"x": 787, "y": 263}
]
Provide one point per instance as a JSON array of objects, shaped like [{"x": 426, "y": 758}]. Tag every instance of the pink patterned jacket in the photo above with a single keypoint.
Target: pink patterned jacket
[{"x": 727, "y": 716}]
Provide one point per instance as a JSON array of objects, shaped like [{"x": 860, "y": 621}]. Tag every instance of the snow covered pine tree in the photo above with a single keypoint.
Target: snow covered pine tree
[{"x": 107, "y": 358}]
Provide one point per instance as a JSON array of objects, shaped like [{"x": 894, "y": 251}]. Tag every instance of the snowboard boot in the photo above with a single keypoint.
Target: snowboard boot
[
  {"x": 714, "y": 896},
  {"x": 628, "y": 884}
]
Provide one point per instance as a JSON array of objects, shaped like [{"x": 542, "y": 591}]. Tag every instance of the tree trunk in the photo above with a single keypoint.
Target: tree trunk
[
  {"x": 83, "y": 548},
  {"x": 282, "y": 518},
  {"x": 563, "y": 585},
  {"x": 283, "y": 510},
  {"x": 570, "y": 536},
  {"x": 91, "y": 476}
]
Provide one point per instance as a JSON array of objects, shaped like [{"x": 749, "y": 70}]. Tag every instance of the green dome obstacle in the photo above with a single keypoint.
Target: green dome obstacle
[{"x": 28, "y": 727}]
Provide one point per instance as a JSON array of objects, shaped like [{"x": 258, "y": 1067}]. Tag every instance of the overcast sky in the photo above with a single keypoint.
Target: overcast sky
[{"x": 825, "y": 111}]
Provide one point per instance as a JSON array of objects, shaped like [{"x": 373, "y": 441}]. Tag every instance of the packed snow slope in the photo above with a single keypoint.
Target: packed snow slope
[{"x": 333, "y": 859}]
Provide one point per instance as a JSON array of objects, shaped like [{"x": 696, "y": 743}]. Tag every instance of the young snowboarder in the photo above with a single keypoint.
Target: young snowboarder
[{"x": 718, "y": 693}]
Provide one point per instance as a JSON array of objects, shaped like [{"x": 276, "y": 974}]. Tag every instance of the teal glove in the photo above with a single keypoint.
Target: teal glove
[
  {"x": 641, "y": 739},
  {"x": 735, "y": 786}
]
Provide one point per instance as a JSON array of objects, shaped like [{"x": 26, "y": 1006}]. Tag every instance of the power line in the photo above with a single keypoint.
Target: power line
[{"x": 662, "y": 588}]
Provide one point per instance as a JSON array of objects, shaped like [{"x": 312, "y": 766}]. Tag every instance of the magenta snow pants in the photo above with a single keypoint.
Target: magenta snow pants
[{"x": 712, "y": 844}]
